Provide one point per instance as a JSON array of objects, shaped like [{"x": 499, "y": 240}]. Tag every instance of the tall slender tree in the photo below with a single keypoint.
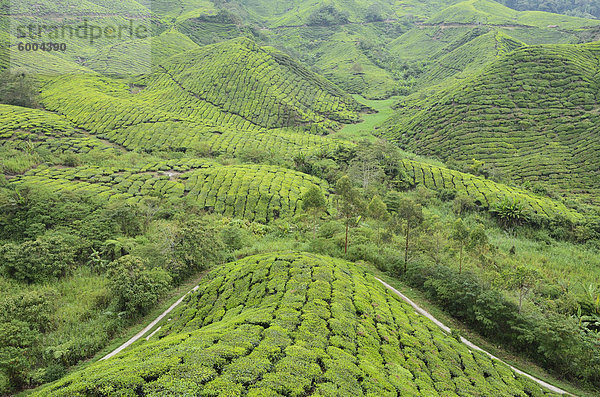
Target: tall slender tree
[
  {"x": 315, "y": 204},
  {"x": 350, "y": 204},
  {"x": 460, "y": 234}
]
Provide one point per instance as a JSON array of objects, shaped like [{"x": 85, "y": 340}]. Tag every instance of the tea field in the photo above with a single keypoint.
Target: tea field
[
  {"x": 235, "y": 84},
  {"x": 255, "y": 192},
  {"x": 32, "y": 129},
  {"x": 486, "y": 193},
  {"x": 296, "y": 324},
  {"x": 516, "y": 118}
]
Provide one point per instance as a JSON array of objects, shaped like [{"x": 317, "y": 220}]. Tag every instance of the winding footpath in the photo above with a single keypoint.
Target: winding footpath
[
  {"x": 468, "y": 343},
  {"x": 417, "y": 308}
]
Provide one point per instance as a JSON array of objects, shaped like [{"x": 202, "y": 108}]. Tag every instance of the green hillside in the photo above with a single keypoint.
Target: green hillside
[
  {"x": 296, "y": 324},
  {"x": 282, "y": 154},
  {"x": 486, "y": 193},
  {"x": 23, "y": 128},
  {"x": 255, "y": 192},
  {"x": 493, "y": 13},
  {"x": 435, "y": 55},
  {"x": 130, "y": 54},
  {"x": 235, "y": 84},
  {"x": 532, "y": 115},
  {"x": 584, "y": 8}
]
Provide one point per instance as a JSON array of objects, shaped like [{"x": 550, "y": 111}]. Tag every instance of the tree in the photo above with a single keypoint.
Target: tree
[
  {"x": 136, "y": 288},
  {"x": 314, "y": 203},
  {"x": 434, "y": 242},
  {"x": 523, "y": 279},
  {"x": 17, "y": 340},
  {"x": 365, "y": 167},
  {"x": 463, "y": 203},
  {"x": 17, "y": 88},
  {"x": 408, "y": 214},
  {"x": 478, "y": 241},
  {"x": 460, "y": 234},
  {"x": 378, "y": 210},
  {"x": 49, "y": 256},
  {"x": 328, "y": 15},
  {"x": 350, "y": 204},
  {"x": 199, "y": 245}
]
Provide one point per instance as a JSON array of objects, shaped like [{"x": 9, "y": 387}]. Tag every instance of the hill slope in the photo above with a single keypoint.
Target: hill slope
[
  {"x": 256, "y": 192},
  {"x": 533, "y": 115},
  {"x": 295, "y": 325},
  {"x": 235, "y": 84},
  {"x": 491, "y": 12}
]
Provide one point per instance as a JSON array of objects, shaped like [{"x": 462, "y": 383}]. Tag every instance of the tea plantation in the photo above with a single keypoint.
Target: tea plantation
[
  {"x": 282, "y": 153},
  {"x": 27, "y": 129},
  {"x": 255, "y": 192},
  {"x": 294, "y": 324},
  {"x": 485, "y": 192},
  {"x": 23, "y": 128},
  {"x": 187, "y": 136},
  {"x": 516, "y": 117},
  {"x": 235, "y": 84}
]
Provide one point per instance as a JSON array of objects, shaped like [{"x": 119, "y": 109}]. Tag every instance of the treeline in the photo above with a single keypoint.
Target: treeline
[{"x": 577, "y": 8}]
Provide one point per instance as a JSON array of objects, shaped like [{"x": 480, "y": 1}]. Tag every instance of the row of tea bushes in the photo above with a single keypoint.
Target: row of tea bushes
[
  {"x": 256, "y": 192},
  {"x": 295, "y": 324}
]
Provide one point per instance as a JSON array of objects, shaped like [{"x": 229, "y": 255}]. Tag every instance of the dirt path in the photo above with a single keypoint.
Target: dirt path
[
  {"x": 466, "y": 342},
  {"x": 148, "y": 327}
]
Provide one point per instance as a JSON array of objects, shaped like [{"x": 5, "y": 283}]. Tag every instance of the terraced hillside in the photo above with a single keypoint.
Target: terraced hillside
[
  {"x": 440, "y": 55},
  {"x": 533, "y": 115},
  {"x": 28, "y": 129},
  {"x": 485, "y": 192},
  {"x": 140, "y": 55},
  {"x": 255, "y": 192},
  {"x": 235, "y": 84},
  {"x": 32, "y": 128},
  {"x": 462, "y": 39},
  {"x": 296, "y": 324},
  {"x": 491, "y": 12}
]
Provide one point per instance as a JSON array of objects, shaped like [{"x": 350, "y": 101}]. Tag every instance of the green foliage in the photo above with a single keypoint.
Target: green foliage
[
  {"x": 199, "y": 245},
  {"x": 461, "y": 235},
  {"x": 294, "y": 324},
  {"x": 581, "y": 8},
  {"x": 477, "y": 192},
  {"x": 255, "y": 192},
  {"x": 45, "y": 258},
  {"x": 377, "y": 209},
  {"x": 18, "y": 88},
  {"x": 509, "y": 213},
  {"x": 328, "y": 15},
  {"x": 135, "y": 287},
  {"x": 350, "y": 204},
  {"x": 314, "y": 201},
  {"x": 17, "y": 339},
  {"x": 513, "y": 105},
  {"x": 272, "y": 91}
]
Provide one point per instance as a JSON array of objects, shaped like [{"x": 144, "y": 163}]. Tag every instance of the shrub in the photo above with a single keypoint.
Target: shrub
[
  {"x": 49, "y": 256},
  {"x": 17, "y": 88},
  {"x": 328, "y": 15},
  {"x": 136, "y": 288}
]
